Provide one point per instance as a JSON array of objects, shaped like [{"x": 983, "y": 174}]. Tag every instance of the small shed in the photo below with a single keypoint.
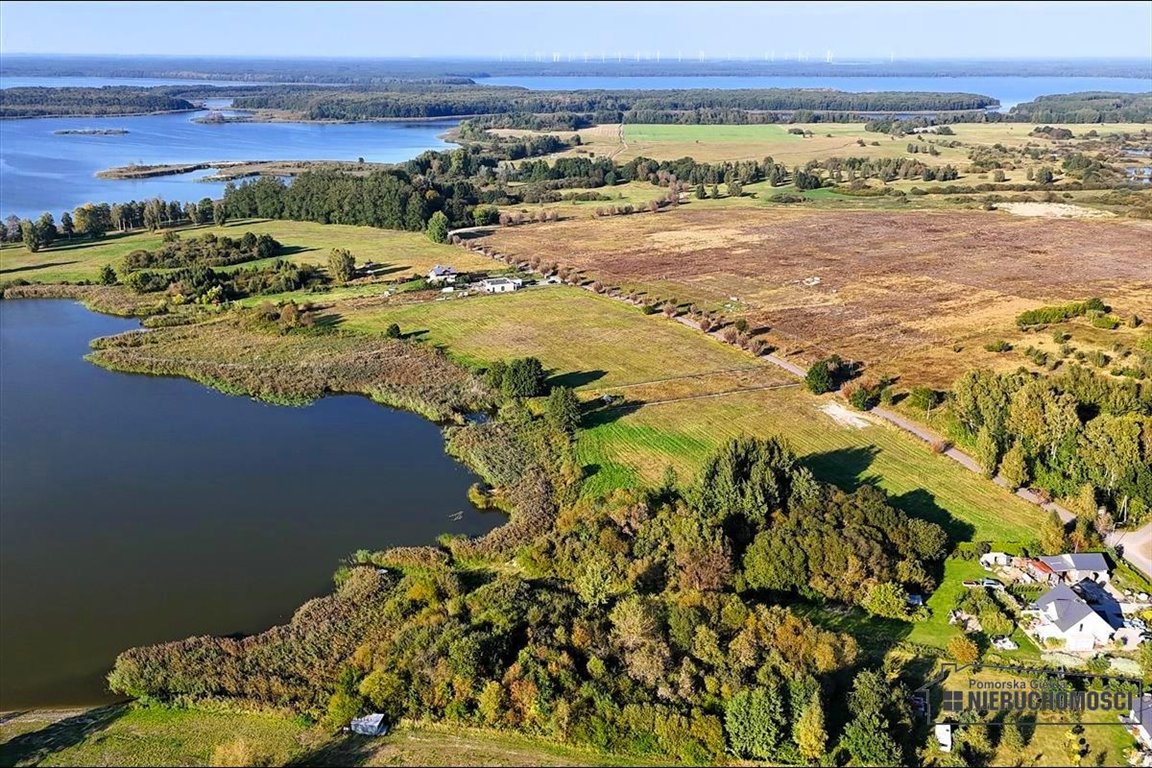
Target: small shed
[
  {"x": 370, "y": 725},
  {"x": 990, "y": 559},
  {"x": 944, "y": 736}
]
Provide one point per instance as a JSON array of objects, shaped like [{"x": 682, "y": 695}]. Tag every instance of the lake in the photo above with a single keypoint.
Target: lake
[
  {"x": 139, "y": 509},
  {"x": 9, "y": 81},
  {"x": 43, "y": 171},
  {"x": 1009, "y": 90}
]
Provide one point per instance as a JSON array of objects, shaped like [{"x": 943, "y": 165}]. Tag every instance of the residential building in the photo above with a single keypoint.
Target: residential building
[
  {"x": 1063, "y": 614},
  {"x": 1140, "y": 721},
  {"x": 1072, "y": 569},
  {"x": 500, "y": 284},
  {"x": 442, "y": 274}
]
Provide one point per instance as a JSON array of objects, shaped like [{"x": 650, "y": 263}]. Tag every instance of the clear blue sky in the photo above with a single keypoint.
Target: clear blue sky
[{"x": 490, "y": 29}]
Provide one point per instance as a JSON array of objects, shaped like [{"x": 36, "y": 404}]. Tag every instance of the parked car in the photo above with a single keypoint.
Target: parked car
[{"x": 991, "y": 583}]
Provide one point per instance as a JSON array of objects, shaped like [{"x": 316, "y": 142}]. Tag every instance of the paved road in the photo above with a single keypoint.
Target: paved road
[{"x": 1137, "y": 547}]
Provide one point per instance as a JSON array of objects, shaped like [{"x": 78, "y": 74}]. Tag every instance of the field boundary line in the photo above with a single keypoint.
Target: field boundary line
[
  {"x": 702, "y": 374},
  {"x": 725, "y": 393}
]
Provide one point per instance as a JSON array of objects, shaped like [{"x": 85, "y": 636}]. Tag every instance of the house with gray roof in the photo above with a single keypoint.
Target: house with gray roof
[
  {"x": 1063, "y": 614},
  {"x": 442, "y": 274},
  {"x": 1140, "y": 721},
  {"x": 1072, "y": 569}
]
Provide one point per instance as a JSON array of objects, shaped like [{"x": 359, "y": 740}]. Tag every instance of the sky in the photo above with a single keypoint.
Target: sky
[{"x": 906, "y": 30}]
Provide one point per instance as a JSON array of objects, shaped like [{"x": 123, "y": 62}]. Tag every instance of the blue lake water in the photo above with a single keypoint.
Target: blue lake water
[
  {"x": 139, "y": 509},
  {"x": 41, "y": 171},
  {"x": 8, "y": 81},
  {"x": 1009, "y": 90}
]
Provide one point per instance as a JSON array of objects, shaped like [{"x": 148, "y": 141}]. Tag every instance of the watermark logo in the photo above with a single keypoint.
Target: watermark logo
[
  {"x": 953, "y": 701},
  {"x": 1045, "y": 696}
]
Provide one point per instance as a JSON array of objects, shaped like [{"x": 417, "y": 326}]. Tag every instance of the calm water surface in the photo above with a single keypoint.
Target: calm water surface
[
  {"x": 41, "y": 171},
  {"x": 8, "y": 81},
  {"x": 138, "y": 509},
  {"x": 1009, "y": 90}
]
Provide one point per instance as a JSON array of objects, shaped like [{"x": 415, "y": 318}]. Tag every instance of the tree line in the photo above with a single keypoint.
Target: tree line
[
  {"x": 207, "y": 251},
  {"x": 434, "y": 101},
  {"x": 1078, "y": 435},
  {"x": 94, "y": 220},
  {"x": 110, "y": 100},
  {"x": 1086, "y": 107}
]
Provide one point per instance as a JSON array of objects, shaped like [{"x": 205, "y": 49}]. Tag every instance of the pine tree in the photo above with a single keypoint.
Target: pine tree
[
  {"x": 987, "y": 452},
  {"x": 1053, "y": 537},
  {"x": 809, "y": 732},
  {"x": 1014, "y": 466},
  {"x": 563, "y": 410},
  {"x": 437, "y": 229}
]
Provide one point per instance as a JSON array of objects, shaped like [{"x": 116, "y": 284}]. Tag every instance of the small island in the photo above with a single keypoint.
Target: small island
[{"x": 91, "y": 132}]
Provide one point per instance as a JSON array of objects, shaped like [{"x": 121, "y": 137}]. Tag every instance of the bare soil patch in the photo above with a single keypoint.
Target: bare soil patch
[
  {"x": 911, "y": 292},
  {"x": 1054, "y": 211}
]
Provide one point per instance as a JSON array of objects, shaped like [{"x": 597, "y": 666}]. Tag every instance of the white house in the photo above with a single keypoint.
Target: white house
[
  {"x": 1062, "y": 614},
  {"x": 500, "y": 284},
  {"x": 370, "y": 725},
  {"x": 1072, "y": 569},
  {"x": 442, "y": 274}
]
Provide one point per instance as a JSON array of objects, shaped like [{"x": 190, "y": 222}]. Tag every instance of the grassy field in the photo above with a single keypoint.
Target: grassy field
[
  {"x": 913, "y": 293},
  {"x": 599, "y": 345},
  {"x": 713, "y": 143},
  {"x": 129, "y": 736},
  {"x": 591, "y": 341},
  {"x": 407, "y": 253}
]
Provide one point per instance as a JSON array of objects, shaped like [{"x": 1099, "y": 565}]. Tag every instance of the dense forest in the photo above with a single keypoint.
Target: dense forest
[
  {"x": 1077, "y": 435},
  {"x": 649, "y": 622},
  {"x": 112, "y": 100},
  {"x": 1088, "y": 107},
  {"x": 343, "y": 70},
  {"x": 505, "y": 106},
  {"x": 695, "y": 105}
]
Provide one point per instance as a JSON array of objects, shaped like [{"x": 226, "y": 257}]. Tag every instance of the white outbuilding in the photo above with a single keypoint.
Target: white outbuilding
[{"x": 370, "y": 725}]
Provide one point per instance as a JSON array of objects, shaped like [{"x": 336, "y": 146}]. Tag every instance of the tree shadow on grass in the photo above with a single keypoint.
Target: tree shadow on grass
[
  {"x": 922, "y": 504},
  {"x": 292, "y": 250},
  {"x": 844, "y": 467},
  {"x": 574, "y": 379},
  {"x": 345, "y": 749},
  {"x": 31, "y": 748},
  {"x": 328, "y": 320},
  {"x": 34, "y": 267},
  {"x": 597, "y": 413}
]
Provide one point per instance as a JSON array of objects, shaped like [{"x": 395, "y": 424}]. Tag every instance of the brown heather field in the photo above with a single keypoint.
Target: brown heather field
[{"x": 916, "y": 293}]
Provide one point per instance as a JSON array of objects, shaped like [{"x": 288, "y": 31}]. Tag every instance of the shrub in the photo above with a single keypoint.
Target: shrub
[
  {"x": 393, "y": 331},
  {"x": 1060, "y": 313},
  {"x": 822, "y": 375},
  {"x": 1107, "y": 322},
  {"x": 963, "y": 650},
  {"x": 998, "y": 346}
]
